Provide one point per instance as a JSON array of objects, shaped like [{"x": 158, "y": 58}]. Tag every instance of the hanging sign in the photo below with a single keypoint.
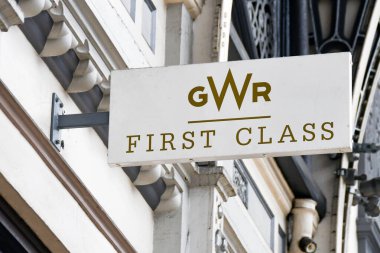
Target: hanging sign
[{"x": 231, "y": 110}]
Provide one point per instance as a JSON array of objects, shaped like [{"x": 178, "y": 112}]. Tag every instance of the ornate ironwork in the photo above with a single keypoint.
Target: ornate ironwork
[
  {"x": 339, "y": 36},
  {"x": 256, "y": 24},
  {"x": 262, "y": 21},
  {"x": 241, "y": 185}
]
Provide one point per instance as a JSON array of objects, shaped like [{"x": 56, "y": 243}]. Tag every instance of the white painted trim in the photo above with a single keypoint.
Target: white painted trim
[
  {"x": 224, "y": 23},
  {"x": 242, "y": 224},
  {"x": 277, "y": 184},
  {"x": 274, "y": 194},
  {"x": 340, "y": 209},
  {"x": 125, "y": 33},
  {"x": 84, "y": 24}
]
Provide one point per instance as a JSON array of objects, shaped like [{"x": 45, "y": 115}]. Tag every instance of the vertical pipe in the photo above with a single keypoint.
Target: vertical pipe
[{"x": 299, "y": 23}]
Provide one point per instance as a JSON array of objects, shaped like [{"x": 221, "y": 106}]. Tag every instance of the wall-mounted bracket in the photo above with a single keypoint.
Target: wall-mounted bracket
[
  {"x": 349, "y": 176},
  {"x": 365, "y": 148},
  {"x": 61, "y": 121}
]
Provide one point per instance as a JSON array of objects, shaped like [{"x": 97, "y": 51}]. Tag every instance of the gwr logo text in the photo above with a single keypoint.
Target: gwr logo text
[{"x": 198, "y": 98}]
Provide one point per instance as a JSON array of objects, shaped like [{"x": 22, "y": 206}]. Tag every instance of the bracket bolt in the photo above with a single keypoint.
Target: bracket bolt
[
  {"x": 57, "y": 142},
  {"x": 62, "y": 144},
  {"x": 61, "y": 105},
  {"x": 220, "y": 211}
]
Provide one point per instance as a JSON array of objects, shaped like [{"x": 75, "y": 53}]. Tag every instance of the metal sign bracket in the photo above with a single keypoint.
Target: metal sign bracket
[{"x": 61, "y": 121}]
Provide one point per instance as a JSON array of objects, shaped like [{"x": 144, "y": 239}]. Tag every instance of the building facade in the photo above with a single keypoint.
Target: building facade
[{"x": 57, "y": 191}]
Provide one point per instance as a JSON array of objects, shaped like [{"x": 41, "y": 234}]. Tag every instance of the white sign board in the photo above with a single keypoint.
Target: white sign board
[{"x": 231, "y": 110}]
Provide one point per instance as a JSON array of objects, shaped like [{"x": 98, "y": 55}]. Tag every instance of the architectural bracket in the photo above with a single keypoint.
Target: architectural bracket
[
  {"x": 61, "y": 121},
  {"x": 350, "y": 176},
  {"x": 366, "y": 148}
]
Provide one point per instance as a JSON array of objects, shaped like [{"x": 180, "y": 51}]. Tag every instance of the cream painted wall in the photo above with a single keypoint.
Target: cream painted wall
[
  {"x": 32, "y": 83},
  {"x": 38, "y": 186}
]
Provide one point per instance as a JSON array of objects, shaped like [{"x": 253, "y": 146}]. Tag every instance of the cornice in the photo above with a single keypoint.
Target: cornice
[{"x": 74, "y": 27}]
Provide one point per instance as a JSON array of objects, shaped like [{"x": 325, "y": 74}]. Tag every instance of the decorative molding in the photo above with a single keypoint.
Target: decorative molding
[
  {"x": 83, "y": 22},
  {"x": 221, "y": 243},
  {"x": 194, "y": 7},
  {"x": 101, "y": 56},
  {"x": 62, "y": 171},
  {"x": 277, "y": 183},
  {"x": 172, "y": 197},
  {"x": 32, "y": 8},
  {"x": 10, "y": 14},
  {"x": 261, "y": 203},
  {"x": 60, "y": 38},
  {"x": 85, "y": 75},
  {"x": 210, "y": 174},
  {"x": 148, "y": 175},
  {"x": 221, "y": 30},
  {"x": 241, "y": 185},
  {"x": 104, "y": 105}
]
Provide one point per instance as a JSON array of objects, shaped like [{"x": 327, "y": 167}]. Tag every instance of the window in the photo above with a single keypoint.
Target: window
[
  {"x": 15, "y": 235},
  {"x": 282, "y": 241},
  {"x": 130, "y": 5},
  {"x": 149, "y": 23},
  {"x": 257, "y": 208}
]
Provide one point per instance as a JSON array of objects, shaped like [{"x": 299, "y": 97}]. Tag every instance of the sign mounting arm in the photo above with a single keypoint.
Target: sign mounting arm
[{"x": 61, "y": 121}]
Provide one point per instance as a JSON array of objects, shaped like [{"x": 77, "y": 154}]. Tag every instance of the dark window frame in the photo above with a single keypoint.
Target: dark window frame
[
  {"x": 16, "y": 235},
  {"x": 151, "y": 41}
]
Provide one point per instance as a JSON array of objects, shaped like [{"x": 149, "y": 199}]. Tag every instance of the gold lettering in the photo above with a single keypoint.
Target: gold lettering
[
  {"x": 150, "y": 143},
  {"x": 309, "y": 131},
  {"x": 263, "y": 93},
  {"x": 132, "y": 143},
  {"x": 331, "y": 133},
  {"x": 287, "y": 133},
  {"x": 165, "y": 141},
  {"x": 249, "y": 130},
  {"x": 202, "y": 97},
  {"x": 207, "y": 132},
  {"x": 262, "y": 136},
  {"x": 229, "y": 82},
  {"x": 188, "y": 140}
]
